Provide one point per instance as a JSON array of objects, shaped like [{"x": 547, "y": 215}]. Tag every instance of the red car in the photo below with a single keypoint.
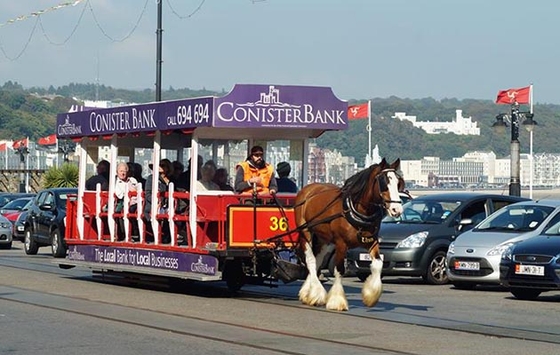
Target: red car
[{"x": 14, "y": 208}]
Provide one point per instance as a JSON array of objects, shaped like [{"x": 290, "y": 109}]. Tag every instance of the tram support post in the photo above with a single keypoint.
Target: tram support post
[{"x": 254, "y": 225}]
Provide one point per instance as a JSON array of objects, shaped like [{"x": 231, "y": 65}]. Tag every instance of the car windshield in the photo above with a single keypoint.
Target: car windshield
[
  {"x": 516, "y": 218},
  {"x": 425, "y": 211},
  {"x": 553, "y": 227},
  {"x": 16, "y": 204}
]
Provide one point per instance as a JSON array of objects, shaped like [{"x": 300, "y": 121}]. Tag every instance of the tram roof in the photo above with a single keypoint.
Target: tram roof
[{"x": 275, "y": 111}]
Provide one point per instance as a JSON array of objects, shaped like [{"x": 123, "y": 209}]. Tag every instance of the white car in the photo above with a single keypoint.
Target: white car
[
  {"x": 6, "y": 236},
  {"x": 474, "y": 257}
]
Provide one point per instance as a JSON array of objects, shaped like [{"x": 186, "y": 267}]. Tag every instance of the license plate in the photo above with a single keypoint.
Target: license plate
[
  {"x": 367, "y": 257},
  {"x": 529, "y": 270},
  {"x": 467, "y": 265}
]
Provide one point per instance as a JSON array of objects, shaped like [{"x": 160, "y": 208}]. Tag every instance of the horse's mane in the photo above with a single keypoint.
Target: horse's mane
[{"x": 357, "y": 184}]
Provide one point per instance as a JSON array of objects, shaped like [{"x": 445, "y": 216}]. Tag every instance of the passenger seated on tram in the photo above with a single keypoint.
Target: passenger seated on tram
[
  {"x": 206, "y": 182},
  {"x": 221, "y": 179},
  {"x": 178, "y": 169},
  {"x": 255, "y": 172},
  {"x": 184, "y": 181},
  {"x": 123, "y": 184},
  {"x": 164, "y": 174},
  {"x": 137, "y": 174},
  {"x": 102, "y": 177},
  {"x": 285, "y": 184}
]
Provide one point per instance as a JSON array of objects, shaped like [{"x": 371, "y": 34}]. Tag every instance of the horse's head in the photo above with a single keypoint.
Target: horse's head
[{"x": 390, "y": 183}]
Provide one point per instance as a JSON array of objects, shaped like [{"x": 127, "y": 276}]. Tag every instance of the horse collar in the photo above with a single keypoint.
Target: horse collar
[{"x": 359, "y": 220}]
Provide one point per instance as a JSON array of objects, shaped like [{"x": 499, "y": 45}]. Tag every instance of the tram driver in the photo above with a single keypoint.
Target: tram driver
[{"x": 255, "y": 173}]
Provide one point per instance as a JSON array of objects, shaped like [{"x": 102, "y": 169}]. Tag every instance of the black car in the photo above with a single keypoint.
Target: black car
[
  {"x": 532, "y": 266},
  {"x": 44, "y": 224},
  {"x": 416, "y": 243}
]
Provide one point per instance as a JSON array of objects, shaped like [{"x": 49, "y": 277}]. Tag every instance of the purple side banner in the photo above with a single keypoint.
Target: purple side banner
[
  {"x": 253, "y": 106},
  {"x": 154, "y": 259},
  {"x": 165, "y": 115}
]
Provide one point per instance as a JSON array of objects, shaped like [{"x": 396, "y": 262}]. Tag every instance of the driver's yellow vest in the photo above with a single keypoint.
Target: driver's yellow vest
[{"x": 250, "y": 172}]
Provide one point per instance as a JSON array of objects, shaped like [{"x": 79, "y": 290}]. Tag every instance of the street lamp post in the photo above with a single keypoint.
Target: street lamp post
[
  {"x": 22, "y": 151},
  {"x": 515, "y": 119}
]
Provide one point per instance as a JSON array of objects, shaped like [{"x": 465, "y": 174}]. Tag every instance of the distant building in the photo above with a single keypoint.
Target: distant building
[{"x": 460, "y": 125}]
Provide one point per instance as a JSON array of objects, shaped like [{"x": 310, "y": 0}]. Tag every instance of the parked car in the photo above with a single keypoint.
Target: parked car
[
  {"x": 15, "y": 206},
  {"x": 45, "y": 221},
  {"x": 6, "y": 197},
  {"x": 532, "y": 266},
  {"x": 416, "y": 243},
  {"x": 18, "y": 227},
  {"x": 5, "y": 233},
  {"x": 474, "y": 257},
  {"x": 18, "y": 224},
  {"x": 13, "y": 209}
]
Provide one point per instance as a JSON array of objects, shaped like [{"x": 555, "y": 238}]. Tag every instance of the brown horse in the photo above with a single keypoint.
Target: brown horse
[{"x": 346, "y": 217}]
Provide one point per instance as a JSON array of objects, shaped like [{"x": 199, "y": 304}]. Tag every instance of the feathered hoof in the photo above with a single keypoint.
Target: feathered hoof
[
  {"x": 371, "y": 292},
  {"x": 313, "y": 294},
  {"x": 337, "y": 304}
]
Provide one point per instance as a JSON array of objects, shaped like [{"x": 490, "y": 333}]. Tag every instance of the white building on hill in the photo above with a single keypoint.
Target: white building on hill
[{"x": 460, "y": 125}]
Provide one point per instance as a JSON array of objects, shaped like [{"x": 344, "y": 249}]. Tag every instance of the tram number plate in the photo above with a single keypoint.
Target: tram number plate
[
  {"x": 367, "y": 257},
  {"x": 529, "y": 270},
  {"x": 467, "y": 265}
]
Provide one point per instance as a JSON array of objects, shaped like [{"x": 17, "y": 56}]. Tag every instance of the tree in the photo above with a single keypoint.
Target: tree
[{"x": 65, "y": 176}]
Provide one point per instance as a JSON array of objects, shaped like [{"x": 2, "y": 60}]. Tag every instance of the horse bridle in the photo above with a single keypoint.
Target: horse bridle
[{"x": 383, "y": 185}]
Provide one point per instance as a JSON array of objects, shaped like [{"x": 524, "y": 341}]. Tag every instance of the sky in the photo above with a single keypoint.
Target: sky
[{"x": 464, "y": 49}]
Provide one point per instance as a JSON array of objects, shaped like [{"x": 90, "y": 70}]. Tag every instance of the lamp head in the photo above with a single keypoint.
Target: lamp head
[
  {"x": 529, "y": 123},
  {"x": 500, "y": 125}
]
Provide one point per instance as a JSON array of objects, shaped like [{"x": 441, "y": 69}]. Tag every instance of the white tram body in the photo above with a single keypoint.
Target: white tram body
[{"x": 227, "y": 236}]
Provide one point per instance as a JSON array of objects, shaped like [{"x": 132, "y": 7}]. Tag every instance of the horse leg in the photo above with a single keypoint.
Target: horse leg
[
  {"x": 372, "y": 290},
  {"x": 312, "y": 291},
  {"x": 336, "y": 298}
]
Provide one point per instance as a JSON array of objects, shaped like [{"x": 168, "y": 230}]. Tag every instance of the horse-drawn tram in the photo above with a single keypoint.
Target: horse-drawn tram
[{"x": 187, "y": 231}]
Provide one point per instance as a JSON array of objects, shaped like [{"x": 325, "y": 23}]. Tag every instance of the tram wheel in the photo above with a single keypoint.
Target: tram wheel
[{"x": 233, "y": 275}]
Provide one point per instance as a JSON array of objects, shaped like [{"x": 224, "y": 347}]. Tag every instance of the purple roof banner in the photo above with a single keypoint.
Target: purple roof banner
[
  {"x": 165, "y": 115},
  {"x": 254, "y": 106}
]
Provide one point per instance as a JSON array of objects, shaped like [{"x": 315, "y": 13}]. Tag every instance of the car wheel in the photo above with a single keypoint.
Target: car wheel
[
  {"x": 6, "y": 246},
  {"x": 464, "y": 285},
  {"x": 435, "y": 273},
  {"x": 29, "y": 245},
  {"x": 525, "y": 293},
  {"x": 362, "y": 276},
  {"x": 57, "y": 244}
]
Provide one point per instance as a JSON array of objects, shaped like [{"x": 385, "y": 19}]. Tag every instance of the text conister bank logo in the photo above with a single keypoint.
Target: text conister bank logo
[
  {"x": 269, "y": 110},
  {"x": 67, "y": 128}
]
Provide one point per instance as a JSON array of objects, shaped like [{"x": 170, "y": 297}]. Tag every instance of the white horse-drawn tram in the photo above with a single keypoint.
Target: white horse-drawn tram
[{"x": 221, "y": 235}]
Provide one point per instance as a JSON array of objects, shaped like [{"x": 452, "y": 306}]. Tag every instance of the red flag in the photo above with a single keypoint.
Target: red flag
[
  {"x": 511, "y": 96},
  {"x": 356, "y": 112},
  {"x": 48, "y": 140},
  {"x": 3, "y": 147},
  {"x": 20, "y": 143}
]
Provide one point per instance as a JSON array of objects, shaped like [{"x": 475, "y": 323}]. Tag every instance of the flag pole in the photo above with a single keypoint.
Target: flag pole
[
  {"x": 368, "y": 157},
  {"x": 531, "y": 98}
]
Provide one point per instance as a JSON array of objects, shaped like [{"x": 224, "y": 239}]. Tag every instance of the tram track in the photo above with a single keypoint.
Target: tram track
[{"x": 250, "y": 297}]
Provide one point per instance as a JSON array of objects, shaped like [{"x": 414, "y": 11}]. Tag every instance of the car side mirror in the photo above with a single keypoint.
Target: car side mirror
[
  {"x": 463, "y": 224},
  {"x": 46, "y": 207}
]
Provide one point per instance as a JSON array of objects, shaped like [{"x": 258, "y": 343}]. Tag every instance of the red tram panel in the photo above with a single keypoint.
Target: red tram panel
[{"x": 271, "y": 222}]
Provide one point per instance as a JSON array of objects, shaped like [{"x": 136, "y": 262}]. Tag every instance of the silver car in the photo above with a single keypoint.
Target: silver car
[
  {"x": 5, "y": 233},
  {"x": 474, "y": 257}
]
